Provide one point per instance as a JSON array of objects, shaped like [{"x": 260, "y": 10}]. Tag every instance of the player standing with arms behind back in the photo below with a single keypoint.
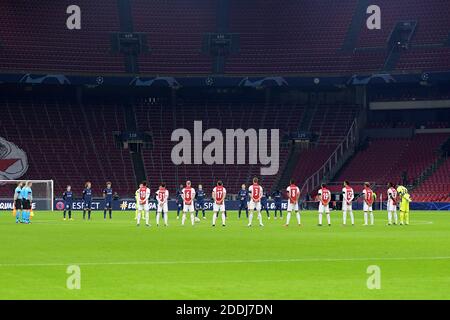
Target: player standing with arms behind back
[
  {"x": 18, "y": 203},
  {"x": 162, "y": 195},
  {"x": 347, "y": 197},
  {"x": 256, "y": 192},
  {"x": 293, "y": 193},
  {"x": 108, "y": 197},
  {"x": 368, "y": 196},
  {"x": 392, "y": 203},
  {"x": 324, "y": 196},
  {"x": 188, "y": 194},
  {"x": 144, "y": 198},
  {"x": 68, "y": 202},
  {"x": 243, "y": 201},
  {"x": 218, "y": 194},
  {"x": 87, "y": 200},
  {"x": 27, "y": 197}
]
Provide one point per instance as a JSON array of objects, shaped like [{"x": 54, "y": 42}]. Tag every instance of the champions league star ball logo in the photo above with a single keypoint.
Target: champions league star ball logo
[{"x": 13, "y": 161}]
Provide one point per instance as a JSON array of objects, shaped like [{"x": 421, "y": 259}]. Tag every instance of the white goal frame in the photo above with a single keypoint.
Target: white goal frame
[{"x": 50, "y": 198}]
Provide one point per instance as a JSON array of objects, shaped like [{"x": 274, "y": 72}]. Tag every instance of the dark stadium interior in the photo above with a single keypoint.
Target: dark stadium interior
[{"x": 66, "y": 96}]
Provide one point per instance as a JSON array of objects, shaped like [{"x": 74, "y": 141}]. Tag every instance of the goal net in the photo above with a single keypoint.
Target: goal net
[{"x": 42, "y": 194}]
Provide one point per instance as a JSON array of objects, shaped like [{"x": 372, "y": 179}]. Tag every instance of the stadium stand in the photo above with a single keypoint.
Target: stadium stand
[
  {"x": 436, "y": 187},
  {"x": 34, "y": 37},
  {"x": 175, "y": 30},
  {"x": 71, "y": 144},
  {"x": 159, "y": 166},
  {"x": 382, "y": 159}
]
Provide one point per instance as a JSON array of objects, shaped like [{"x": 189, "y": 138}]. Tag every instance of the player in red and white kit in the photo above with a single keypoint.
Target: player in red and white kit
[
  {"x": 392, "y": 197},
  {"x": 188, "y": 195},
  {"x": 218, "y": 194},
  {"x": 368, "y": 202},
  {"x": 347, "y": 197},
  {"x": 324, "y": 196},
  {"x": 143, "y": 205},
  {"x": 256, "y": 192},
  {"x": 293, "y": 193},
  {"x": 162, "y": 196}
]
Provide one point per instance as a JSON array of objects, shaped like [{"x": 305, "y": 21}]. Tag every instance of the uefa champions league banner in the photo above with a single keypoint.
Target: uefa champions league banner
[{"x": 130, "y": 204}]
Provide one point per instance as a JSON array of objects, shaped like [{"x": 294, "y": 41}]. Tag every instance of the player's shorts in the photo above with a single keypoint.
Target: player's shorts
[
  {"x": 108, "y": 205},
  {"x": 324, "y": 209},
  {"x": 252, "y": 205},
  {"x": 68, "y": 206},
  {"x": 219, "y": 207},
  {"x": 291, "y": 206},
  {"x": 87, "y": 204},
  {"x": 164, "y": 208},
  {"x": 188, "y": 207},
  {"x": 347, "y": 206},
  {"x": 243, "y": 205},
  {"x": 143, "y": 207},
  {"x": 18, "y": 204},
  {"x": 391, "y": 207},
  {"x": 404, "y": 206},
  {"x": 199, "y": 205},
  {"x": 26, "y": 205},
  {"x": 366, "y": 207}
]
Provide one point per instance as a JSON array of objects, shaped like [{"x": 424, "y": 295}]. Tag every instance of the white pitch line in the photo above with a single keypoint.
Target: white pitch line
[{"x": 217, "y": 261}]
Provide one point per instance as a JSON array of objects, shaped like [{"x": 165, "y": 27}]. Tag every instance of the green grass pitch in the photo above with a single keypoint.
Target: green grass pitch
[{"x": 117, "y": 260}]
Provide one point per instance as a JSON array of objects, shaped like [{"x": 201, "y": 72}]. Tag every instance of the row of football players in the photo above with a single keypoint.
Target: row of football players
[{"x": 254, "y": 204}]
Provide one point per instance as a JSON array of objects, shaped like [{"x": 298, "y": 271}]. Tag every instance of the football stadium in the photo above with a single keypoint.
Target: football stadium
[{"x": 225, "y": 150}]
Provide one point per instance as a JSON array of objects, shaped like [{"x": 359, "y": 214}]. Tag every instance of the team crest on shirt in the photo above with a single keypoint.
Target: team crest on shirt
[{"x": 13, "y": 161}]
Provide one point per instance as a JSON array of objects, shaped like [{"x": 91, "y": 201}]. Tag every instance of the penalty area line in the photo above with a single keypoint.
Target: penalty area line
[{"x": 118, "y": 263}]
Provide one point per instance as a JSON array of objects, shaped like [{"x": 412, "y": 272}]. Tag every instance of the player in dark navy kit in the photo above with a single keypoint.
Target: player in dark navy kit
[
  {"x": 87, "y": 200},
  {"x": 277, "y": 198},
  {"x": 68, "y": 202},
  {"x": 179, "y": 199},
  {"x": 264, "y": 205},
  {"x": 243, "y": 201},
  {"x": 108, "y": 196},
  {"x": 200, "y": 201}
]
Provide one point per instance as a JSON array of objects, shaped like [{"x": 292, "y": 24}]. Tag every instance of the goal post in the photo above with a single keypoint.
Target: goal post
[{"x": 42, "y": 192}]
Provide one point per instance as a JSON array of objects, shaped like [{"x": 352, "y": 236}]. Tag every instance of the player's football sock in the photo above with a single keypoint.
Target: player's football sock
[
  {"x": 17, "y": 215},
  {"x": 64, "y": 214},
  {"x": 250, "y": 218},
  {"x": 365, "y": 218},
  {"x": 389, "y": 217},
  {"x": 84, "y": 214},
  {"x": 183, "y": 219},
  {"x": 192, "y": 219},
  {"x": 110, "y": 214},
  {"x": 70, "y": 214},
  {"x": 402, "y": 217},
  {"x": 352, "y": 217},
  {"x": 214, "y": 219},
  {"x": 371, "y": 218},
  {"x": 89, "y": 214},
  {"x": 328, "y": 218},
  {"x": 395, "y": 217},
  {"x": 246, "y": 213},
  {"x": 407, "y": 217},
  {"x": 223, "y": 218},
  {"x": 147, "y": 216},
  {"x": 166, "y": 219},
  {"x": 260, "y": 218},
  {"x": 104, "y": 214},
  {"x": 320, "y": 219},
  {"x": 288, "y": 218},
  {"x": 204, "y": 213},
  {"x": 138, "y": 218},
  {"x": 157, "y": 218},
  {"x": 344, "y": 217},
  {"x": 298, "y": 218}
]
